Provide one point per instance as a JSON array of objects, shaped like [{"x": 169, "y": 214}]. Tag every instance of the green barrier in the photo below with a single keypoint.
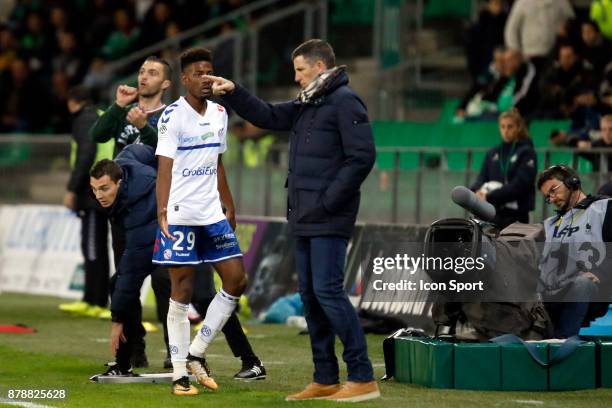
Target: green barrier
[
  {"x": 576, "y": 372},
  {"x": 477, "y": 366},
  {"x": 519, "y": 370},
  {"x": 436, "y": 363},
  {"x": 540, "y": 130},
  {"x": 431, "y": 363},
  {"x": 403, "y": 348},
  {"x": 605, "y": 364}
]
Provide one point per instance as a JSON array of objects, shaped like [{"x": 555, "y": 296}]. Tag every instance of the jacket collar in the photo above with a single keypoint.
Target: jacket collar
[{"x": 324, "y": 84}]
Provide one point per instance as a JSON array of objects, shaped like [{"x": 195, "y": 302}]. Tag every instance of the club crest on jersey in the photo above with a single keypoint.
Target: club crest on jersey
[
  {"x": 167, "y": 254},
  {"x": 173, "y": 349},
  {"x": 220, "y": 108},
  {"x": 220, "y": 132},
  {"x": 163, "y": 129},
  {"x": 205, "y": 330}
]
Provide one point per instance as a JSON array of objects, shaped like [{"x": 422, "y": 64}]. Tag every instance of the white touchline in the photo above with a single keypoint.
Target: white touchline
[{"x": 24, "y": 404}]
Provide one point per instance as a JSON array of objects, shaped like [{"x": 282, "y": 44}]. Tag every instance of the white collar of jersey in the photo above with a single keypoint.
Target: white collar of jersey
[{"x": 162, "y": 106}]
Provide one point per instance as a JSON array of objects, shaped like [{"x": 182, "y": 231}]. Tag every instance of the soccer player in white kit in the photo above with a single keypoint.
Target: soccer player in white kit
[{"x": 191, "y": 185}]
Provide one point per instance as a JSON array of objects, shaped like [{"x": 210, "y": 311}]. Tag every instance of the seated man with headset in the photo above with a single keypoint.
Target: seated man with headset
[{"x": 575, "y": 270}]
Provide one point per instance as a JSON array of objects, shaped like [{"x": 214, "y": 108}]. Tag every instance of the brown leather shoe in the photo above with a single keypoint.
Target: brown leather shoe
[
  {"x": 314, "y": 391},
  {"x": 356, "y": 391}
]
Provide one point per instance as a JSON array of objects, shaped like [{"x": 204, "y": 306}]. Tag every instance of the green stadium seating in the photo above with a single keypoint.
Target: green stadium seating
[
  {"x": 459, "y": 9},
  {"x": 446, "y": 134},
  {"x": 351, "y": 12}
]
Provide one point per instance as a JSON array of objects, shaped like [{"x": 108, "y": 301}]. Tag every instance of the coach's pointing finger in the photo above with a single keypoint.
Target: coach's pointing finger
[{"x": 220, "y": 86}]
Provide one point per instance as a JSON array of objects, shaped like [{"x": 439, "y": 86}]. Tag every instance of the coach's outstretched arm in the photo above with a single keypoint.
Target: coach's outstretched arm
[{"x": 280, "y": 116}]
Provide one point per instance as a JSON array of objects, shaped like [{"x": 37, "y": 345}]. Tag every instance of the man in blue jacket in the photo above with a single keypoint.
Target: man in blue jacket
[
  {"x": 126, "y": 189},
  {"x": 331, "y": 152}
]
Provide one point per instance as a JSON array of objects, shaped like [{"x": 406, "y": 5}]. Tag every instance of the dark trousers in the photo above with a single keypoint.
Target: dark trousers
[
  {"x": 328, "y": 311},
  {"x": 133, "y": 330},
  {"x": 203, "y": 294},
  {"x": 570, "y": 309},
  {"x": 94, "y": 245},
  {"x": 132, "y": 325}
]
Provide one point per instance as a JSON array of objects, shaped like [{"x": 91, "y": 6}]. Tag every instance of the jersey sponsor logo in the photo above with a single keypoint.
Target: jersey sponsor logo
[
  {"x": 167, "y": 254},
  {"x": 204, "y": 124},
  {"x": 224, "y": 237},
  {"x": 190, "y": 139},
  {"x": 208, "y": 169},
  {"x": 207, "y": 135},
  {"x": 226, "y": 245},
  {"x": 127, "y": 133}
]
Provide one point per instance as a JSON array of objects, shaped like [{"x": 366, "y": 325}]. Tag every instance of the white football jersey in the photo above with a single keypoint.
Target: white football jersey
[{"x": 194, "y": 142}]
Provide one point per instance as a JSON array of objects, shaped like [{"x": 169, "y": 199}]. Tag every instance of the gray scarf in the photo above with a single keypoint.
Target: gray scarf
[{"x": 319, "y": 85}]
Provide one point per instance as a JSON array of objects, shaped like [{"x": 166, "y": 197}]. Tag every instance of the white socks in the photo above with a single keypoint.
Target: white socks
[
  {"x": 178, "y": 337},
  {"x": 218, "y": 312}
]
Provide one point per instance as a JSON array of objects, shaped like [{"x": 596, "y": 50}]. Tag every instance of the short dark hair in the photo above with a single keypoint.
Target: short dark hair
[
  {"x": 165, "y": 64},
  {"x": 195, "y": 55},
  {"x": 316, "y": 50},
  {"x": 79, "y": 94},
  {"x": 108, "y": 168},
  {"x": 569, "y": 44},
  {"x": 593, "y": 24},
  {"x": 560, "y": 172}
]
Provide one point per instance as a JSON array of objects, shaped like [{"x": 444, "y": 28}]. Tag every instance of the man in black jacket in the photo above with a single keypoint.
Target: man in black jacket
[
  {"x": 331, "y": 152},
  {"x": 94, "y": 224}
]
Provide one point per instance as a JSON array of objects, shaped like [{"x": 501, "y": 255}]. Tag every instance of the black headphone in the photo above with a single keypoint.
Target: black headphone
[{"x": 570, "y": 177}]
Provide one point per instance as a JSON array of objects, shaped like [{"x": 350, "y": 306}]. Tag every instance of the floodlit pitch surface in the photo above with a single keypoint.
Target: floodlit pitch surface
[{"x": 67, "y": 350}]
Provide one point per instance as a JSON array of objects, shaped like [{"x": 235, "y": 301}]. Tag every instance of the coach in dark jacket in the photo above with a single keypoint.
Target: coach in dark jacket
[
  {"x": 126, "y": 188},
  {"x": 507, "y": 176},
  {"x": 330, "y": 154}
]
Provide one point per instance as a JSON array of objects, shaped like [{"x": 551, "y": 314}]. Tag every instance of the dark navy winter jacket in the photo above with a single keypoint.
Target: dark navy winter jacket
[
  {"x": 135, "y": 209},
  {"x": 519, "y": 185},
  {"x": 331, "y": 151}
]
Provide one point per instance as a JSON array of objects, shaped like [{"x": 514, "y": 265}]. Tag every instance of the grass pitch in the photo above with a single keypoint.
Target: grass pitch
[{"x": 65, "y": 351}]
